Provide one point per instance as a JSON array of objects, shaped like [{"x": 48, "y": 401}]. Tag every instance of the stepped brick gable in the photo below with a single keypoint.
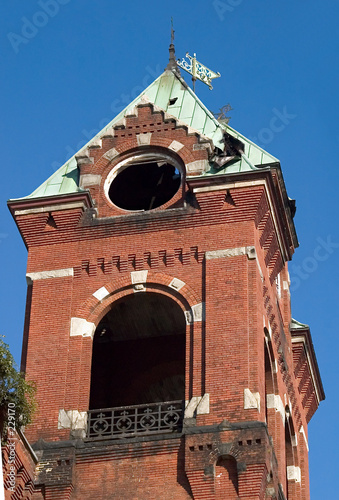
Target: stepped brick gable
[{"x": 158, "y": 324}]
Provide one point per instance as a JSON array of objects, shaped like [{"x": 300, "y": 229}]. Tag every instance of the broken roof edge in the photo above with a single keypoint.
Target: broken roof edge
[{"x": 238, "y": 134}]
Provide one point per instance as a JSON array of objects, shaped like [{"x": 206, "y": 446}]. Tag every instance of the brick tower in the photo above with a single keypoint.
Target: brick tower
[{"x": 158, "y": 324}]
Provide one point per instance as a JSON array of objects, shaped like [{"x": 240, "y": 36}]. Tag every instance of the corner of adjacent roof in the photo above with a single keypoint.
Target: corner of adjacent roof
[{"x": 296, "y": 325}]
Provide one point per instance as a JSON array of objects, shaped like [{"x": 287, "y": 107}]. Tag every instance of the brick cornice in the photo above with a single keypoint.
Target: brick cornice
[{"x": 33, "y": 204}]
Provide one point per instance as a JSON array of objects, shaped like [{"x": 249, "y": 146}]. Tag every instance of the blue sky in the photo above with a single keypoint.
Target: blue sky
[{"x": 70, "y": 70}]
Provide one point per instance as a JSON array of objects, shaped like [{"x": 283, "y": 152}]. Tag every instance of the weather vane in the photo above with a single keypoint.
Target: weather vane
[
  {"x": 198, "y": 71},
  {"x": 221, "y": 115}
]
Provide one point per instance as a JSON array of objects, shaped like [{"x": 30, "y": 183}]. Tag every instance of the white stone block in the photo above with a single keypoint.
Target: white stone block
[
  {"x": 95, "y": 143},
  {"x": 198, "y": 312},
  {"x": 138, "y": 277},
  {"x": 275, "y": 401},
  {"x": 101, "y": 293},
  {"x": 293, "y": 473},
  {"x": 228, "y": 252},
  {"x": 203, "y": 407},
  {"x": 270, "y": 401},
  {"x": 192, "y": 406},
  {"x": 72, "y": 419},
  {"x": 251, "y": 400},
  {"x": 176, "y": 284},
  {"x": 197, "y": 166},
  {"x": 175, "y": 146},
  {"x": 79, "y": 420},
  {"x": 251, "y": 253},
  {"x": 89, "y": 180},
  {"x": 109, "y": 132},
  {"x": 144, "y": 139},
  {"x": 64, "y": 421},
  {"x": 111, "y": 154},
  {"x": 232, "y": 252},
  {"x": 81, "y": 327},
  {"x": 44, "y": 275},
  {"x": 189, "y": 317}
]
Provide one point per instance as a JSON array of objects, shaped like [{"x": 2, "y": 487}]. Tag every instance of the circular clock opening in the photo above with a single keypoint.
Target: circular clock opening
[{"x": 144, "y": 183}]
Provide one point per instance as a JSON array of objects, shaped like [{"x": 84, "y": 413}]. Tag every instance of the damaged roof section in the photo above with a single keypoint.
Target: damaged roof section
[{"x": 233, "y": 150}]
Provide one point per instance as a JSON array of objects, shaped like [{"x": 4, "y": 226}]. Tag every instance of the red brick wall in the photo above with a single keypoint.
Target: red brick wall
[{"x": 154, "y": 471}]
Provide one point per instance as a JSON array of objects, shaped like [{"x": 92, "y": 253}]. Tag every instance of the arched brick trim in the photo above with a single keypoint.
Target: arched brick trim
[
  {"x": 129, "y": 146},
  {"x": 101, "y": 158},
  {"x": 93, "y": 309}
]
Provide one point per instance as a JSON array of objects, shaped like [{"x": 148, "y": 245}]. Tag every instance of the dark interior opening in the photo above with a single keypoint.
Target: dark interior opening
[
  {"x": 269, "y": 388},
  {"x": 139, "y": 353},
  {"x": 145, "y": 185}
]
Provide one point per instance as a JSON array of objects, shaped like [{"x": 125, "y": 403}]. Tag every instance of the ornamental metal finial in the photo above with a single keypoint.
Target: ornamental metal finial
[
  {"x": 172, "y": 32},
  {"x": 198, "y": 71},
  {"x": 172, "y": 63}
]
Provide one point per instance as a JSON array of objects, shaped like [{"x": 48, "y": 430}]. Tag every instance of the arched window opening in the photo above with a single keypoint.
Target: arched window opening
[
  {"x": 226, "y": 478},
  {"x": 139, "y": 353},
  {"x": 144, "y": 182}
]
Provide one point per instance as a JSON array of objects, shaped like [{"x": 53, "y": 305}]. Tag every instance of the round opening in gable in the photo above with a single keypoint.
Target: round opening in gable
[{"x": 145, "y": 183}]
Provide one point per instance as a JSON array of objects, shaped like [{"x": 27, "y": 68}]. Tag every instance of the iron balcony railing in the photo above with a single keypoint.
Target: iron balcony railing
[{"x": 128, "y": 421}]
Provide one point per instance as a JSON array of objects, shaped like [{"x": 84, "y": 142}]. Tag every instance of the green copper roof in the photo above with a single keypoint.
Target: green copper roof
[
  {"x": 186, "y": 107},
  {"x": 296, "y": 325}
]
